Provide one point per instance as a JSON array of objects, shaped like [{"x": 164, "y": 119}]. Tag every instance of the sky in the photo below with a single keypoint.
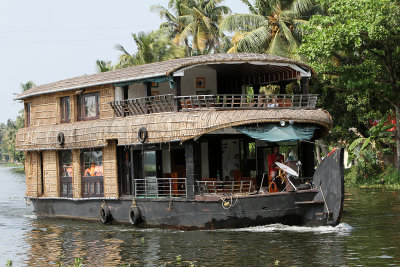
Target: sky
[{"x": 46, "y": 41}]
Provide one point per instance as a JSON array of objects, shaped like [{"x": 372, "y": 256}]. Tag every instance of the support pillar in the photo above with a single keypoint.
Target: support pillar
[
  {"x": 148, "y": 93},
  {"x": 256, "y": 89},
  {"x": 177, "y": 92},
  {"x": 304, "y": 86},
  {"x": 282, "y": 88},
  {"x": 193, "y": 166},
  {"x": 76, "y": 170}
]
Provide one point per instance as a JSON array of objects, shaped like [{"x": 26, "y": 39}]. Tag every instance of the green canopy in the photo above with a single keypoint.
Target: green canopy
[{"x": 277, "y": 133}]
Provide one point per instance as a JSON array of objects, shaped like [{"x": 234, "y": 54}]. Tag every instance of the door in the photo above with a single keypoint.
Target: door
[{"x": 125, "y": 170}]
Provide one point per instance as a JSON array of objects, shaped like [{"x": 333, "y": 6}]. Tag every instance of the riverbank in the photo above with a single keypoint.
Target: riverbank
[
  {"x": 17, "y": 167},
  {"x": 385, "y": 179}
]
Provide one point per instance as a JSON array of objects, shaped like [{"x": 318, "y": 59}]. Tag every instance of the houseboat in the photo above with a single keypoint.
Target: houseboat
[{"x": 188, "y": 143}]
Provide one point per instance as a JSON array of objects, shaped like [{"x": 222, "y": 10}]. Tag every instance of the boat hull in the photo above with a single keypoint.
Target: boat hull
[{"x": 203, "y": 212}]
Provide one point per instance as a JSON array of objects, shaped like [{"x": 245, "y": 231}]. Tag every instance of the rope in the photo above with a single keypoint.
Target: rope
[
  {"x": 327, "y": 208},
  {"x": 228, "y": 204}
]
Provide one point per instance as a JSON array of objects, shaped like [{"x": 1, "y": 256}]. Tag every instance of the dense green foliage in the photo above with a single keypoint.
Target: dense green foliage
[
  {"x": 8, "y": 132},
  {"x": 355, "y": 49}
]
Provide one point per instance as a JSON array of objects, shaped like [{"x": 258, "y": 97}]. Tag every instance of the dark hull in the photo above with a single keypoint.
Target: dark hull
[{"x": 205, "y": 212}]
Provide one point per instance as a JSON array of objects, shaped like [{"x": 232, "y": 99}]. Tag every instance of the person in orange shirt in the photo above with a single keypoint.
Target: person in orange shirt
[
  {"x": 272, "y": 158},
  {"x": 91, "y": 171}
]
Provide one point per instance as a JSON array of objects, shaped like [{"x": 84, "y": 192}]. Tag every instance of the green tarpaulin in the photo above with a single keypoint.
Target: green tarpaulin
[{"x": 277, "y": 133}]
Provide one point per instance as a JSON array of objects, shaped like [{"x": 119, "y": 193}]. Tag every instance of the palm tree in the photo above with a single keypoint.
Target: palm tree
[
  {"x": 151, "y": 47},
  {"x": 103, "y": 66},
  {"x": 201, "y": 19},
  {"x": 273, "y": 26},
  {"x": 172, "y": 25},
  {"x": 28, "y": 85}
]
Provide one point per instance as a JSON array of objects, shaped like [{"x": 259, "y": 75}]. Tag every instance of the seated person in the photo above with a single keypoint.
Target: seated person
[{"x": 272, "y": 158}]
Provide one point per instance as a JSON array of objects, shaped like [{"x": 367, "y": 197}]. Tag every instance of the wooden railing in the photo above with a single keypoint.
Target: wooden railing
[
  {"x": 225, "y": 187},
  {"x": 168, "y": 103},
  {"x": 66, "y": 189},
  {"x": 92, "y": 186}
]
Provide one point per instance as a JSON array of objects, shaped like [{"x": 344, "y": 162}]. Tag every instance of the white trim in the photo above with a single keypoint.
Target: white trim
[{"x": 303, "y": 72}]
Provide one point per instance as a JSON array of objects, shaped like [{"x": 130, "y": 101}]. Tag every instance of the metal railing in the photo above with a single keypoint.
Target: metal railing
[
  {"x": 242, "y": 101},
  {"x": 225, "y": 187},
  {"x": 168, "y": 103},
  {"x": 153, "y": 187}
]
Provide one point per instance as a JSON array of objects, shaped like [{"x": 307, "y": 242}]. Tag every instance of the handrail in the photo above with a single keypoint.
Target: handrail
[
  {"x": 225, "y": 187},
  {"x": 153, "y": 187},
  {"x": 169, "y": 103}
]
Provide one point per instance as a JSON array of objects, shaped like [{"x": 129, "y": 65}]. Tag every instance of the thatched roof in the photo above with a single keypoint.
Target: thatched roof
[
  {"x": 158, "y": 69},
  {"x": 161, "y": 127}
]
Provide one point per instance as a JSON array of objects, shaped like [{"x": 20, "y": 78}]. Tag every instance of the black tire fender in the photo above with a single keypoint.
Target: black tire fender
[
  {"x": 134, "y": 216},
  {"x": 60, "y": 138},
  {"x": 105, "y": 214},
  {"x": 142, "y": 135}
]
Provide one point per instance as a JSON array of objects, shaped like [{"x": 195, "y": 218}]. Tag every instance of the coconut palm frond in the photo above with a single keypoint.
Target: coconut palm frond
[
  {"x": 252, "y": 9},
  {"x": 254, "y": 41},
  {"x": 242, "y": 22},
  {"x": 287, "y": 33},
  {"x": 275, "y": 46},
  {"x": 103, "y": 66},
  {"x": 301, "y": 7}
]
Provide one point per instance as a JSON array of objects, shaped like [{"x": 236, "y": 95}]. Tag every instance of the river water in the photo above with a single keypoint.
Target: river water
[{"x": 369, "y": 235}]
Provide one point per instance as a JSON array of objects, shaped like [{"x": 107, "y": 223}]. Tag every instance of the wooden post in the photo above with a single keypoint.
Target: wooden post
[
  {"x": 256, "y": 89},
  {"x": 193, "y": 166},
  {"x": 177, "y": 92},
  {"x": 148, "y": 93},
  {"x": 76, "y": 170},
  {"x": 110, "y": 173},
  {"x": 304, "y": 86},
  {"x": 282, "y": 88}
]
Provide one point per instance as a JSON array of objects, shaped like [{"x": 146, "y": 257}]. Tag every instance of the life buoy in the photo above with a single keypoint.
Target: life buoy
[
  {"x": 142, "y": 135},
  {"x": 134, "y": 216},
  {"x": 60, "y": 138},
  {"x": 105, "y": 214}
]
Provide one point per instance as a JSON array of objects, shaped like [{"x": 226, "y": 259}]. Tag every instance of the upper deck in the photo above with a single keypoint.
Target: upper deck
[{"x": 221, "y": 90}]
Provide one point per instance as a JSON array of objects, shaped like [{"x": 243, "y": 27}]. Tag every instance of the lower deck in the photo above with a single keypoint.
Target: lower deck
[{"x": 229, "y": 163}]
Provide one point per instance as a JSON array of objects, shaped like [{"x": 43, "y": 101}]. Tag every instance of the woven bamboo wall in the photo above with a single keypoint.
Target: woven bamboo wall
[
  {"x": 33, "y": 174},
  {"x": 110, "y": 169},
  {"x": 51, "y": 174},
  {"x": 31, "y": 179},
  {"x": 45, "y": 109}
]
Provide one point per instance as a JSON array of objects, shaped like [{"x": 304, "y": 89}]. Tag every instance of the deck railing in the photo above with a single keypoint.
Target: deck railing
[
  {"x": 160, "y": 187},
  {"x": 225, "y": 187},
  {"x": 168, "y": 103}
]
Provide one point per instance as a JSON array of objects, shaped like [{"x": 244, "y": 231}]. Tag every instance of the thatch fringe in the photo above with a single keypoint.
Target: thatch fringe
[{"x": 161, "y": 127}]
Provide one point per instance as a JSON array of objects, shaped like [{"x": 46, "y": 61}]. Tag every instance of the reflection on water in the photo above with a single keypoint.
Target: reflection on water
[{"x": 369, "y": 235}]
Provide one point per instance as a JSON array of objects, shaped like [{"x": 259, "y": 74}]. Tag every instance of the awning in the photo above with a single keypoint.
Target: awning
[
  {"x": 151, "y": 80},
  {"x": 277, "y": 133}
]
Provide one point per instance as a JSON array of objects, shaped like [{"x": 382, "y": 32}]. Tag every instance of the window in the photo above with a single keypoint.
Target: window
[
  {"x": 65, "y": 157},
  {"x": 65, "y": 107},
  {"x": 88, "y": 106},
  {"x": 28, "y": 114},
  {"x": 92, "y": 173}
]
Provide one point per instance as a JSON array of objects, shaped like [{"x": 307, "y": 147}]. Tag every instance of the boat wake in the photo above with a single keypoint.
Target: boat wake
[{"x": 342, "y": 228}]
